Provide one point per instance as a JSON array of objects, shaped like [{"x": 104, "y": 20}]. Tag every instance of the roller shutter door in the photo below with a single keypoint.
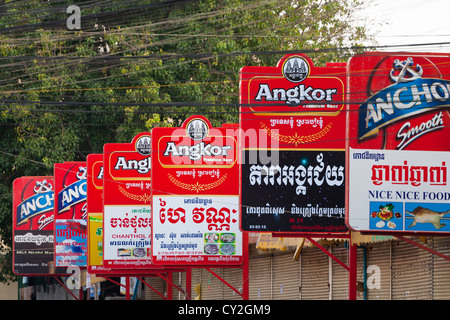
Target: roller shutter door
[
  {"x": 412, "y": 276},
  {"x": 339, "y": 275},
  {"x": 158, "y": 284},
  {"x": 314, "y": 283},
  {"x": 211, "y": 286},
  {"x": 260, "y": 277},
  {"x": 441, "y": 269},
  {"x": 285, "y": 277},
  {"x": 379, "y": 265},
  {"x": 234, "y": 277}
]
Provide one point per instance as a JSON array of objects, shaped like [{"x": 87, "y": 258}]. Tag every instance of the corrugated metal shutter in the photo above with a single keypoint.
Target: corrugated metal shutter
[
  {"x": 441, "y": 269},
  {"x": 196, "y": 281},
  {"x": 260, "y": 273},
  {"x": 314, "y": 283},
  {"x": 234, "y": 277},
  {"x": 158, "y": 284},
  {"x": 212, "y": 288},
  {"x": 340, "y": 275},
  {"x": 286, "y": 277},
  {"x": 412, "y": 277},
  {"x": 379, "y": 265}
]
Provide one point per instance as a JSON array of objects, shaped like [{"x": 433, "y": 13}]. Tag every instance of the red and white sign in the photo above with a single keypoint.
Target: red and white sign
[
  {"x": 33, "y": 226},
  {"x": 292, "y": 122},
  {"x": 195, "y": 195},
  {"x": 398, "y": 132},
  {"x": 70, "y": 214},
  {"x": 127, "y": 203}
]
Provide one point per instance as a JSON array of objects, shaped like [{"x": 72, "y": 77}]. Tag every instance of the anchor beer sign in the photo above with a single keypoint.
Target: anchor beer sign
[
  {"x": 195, "y": 195},
  {"x": 399, "y": 128},
  {"x": 70, "y": 214},
  {"x": 292, "y": 122},
  {"x": 33, "y": 226}
]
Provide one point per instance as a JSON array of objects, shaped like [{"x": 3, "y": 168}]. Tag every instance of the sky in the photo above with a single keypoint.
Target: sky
[{"x": 410, "y": 22}]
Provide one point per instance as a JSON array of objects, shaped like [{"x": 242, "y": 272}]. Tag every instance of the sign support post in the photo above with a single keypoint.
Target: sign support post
[{"x": 353, "y": 257}]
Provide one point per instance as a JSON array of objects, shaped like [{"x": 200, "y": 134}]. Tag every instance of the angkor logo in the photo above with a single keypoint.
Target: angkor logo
[
  {"x": 296, "y": 69},
  {"x": 197, "y": 129},
  {"x": 144, "y": 146}
]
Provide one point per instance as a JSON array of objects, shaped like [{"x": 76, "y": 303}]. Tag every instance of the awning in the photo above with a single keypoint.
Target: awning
[{"x": 266, "y": 241}]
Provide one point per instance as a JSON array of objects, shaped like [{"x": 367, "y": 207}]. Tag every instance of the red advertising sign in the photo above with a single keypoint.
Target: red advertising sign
[
  {"x": 33, "y": 226},
  {"x": 296, "y": 105},
  {"x": 94, "y": 202},
  {"x": 398, "y": 133},
  {"x": 399, "y": 101},
  {"x": 127, "y": 203},
  {"x": 292, "y": 121},
  {"x": 195, "y": 195},
  {"x": 70, "y": 214}
]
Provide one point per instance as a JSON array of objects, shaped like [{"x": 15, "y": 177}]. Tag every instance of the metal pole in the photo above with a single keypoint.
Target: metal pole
[
  {"x": 245, "y": 269},
  {"x": 353, "y": 255},
  {"x": 188, "y": 283}
]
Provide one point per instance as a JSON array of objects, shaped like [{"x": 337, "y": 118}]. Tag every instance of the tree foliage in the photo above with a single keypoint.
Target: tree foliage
[{"x": 135, "y": 65}]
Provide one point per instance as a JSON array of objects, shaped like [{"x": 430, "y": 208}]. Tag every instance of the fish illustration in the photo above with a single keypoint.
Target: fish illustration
[{"x": 424, "y": 215}]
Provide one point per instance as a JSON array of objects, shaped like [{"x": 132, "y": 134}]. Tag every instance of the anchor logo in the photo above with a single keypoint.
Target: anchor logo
[
  {"x": 82, "y": 172},
  {"x": 42, "y": 187},
  {"x": 407, "y": 71}
]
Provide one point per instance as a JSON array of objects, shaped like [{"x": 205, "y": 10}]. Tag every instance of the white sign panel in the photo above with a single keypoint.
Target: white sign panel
[
  {"x": 127, "y": 236},
  {"x": 398, "y": 190}
]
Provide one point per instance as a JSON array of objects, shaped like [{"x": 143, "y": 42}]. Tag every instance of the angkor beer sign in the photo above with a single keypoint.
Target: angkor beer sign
[
  {"x": 70, "y": 214},
  {"x": 399, "y": 128},
  {"x": 127, "y": 203},
  {"x": 293, "y": 147},
  {"x": 195, "y": 195},
  {"x": 33, "y": 226}
]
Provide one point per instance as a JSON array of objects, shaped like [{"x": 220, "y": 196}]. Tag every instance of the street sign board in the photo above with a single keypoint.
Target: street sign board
[
  {"x": 127, "y": 203},
  {"x": 292, "y": 122},
  {"x": 398, "y": 132},
  {"x": 195, "y": 194}
]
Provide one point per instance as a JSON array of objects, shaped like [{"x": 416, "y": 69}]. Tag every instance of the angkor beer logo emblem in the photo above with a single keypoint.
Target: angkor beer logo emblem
[
  {"x": 295, "y": 69},
  {"x": 197, "y": 129},
  {"x": 144, "y": 145}
]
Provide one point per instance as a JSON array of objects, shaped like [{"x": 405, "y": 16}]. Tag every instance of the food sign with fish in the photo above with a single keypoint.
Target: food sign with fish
[
  {"x": 127, "y": 204},
  {"x": 195, "y": 198},
  {"x": 33, "y": 226},
  {"x": 70, "y": 214},
  {"x": 398, "y": 123}
]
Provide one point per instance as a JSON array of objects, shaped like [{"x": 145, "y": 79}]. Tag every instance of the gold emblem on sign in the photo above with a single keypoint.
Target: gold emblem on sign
[
  {"x": 136, "y": 197},
  {"x": 296, "y": 139}
]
